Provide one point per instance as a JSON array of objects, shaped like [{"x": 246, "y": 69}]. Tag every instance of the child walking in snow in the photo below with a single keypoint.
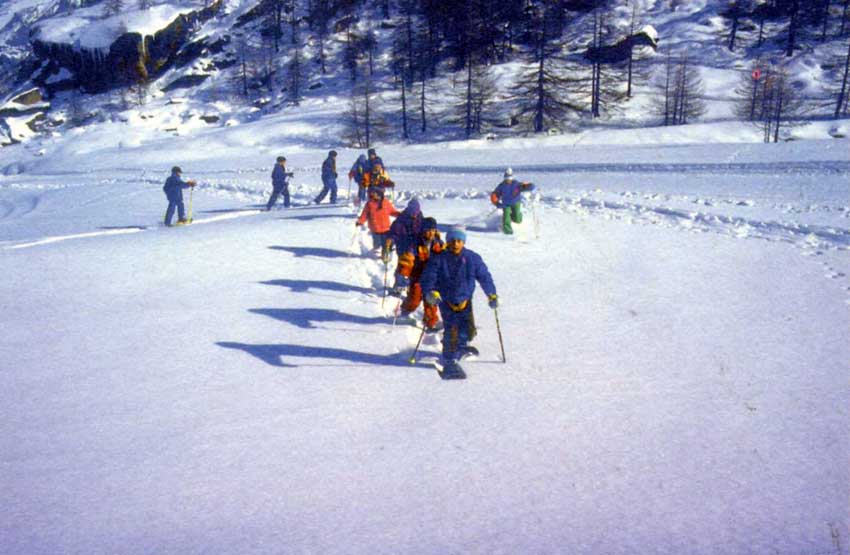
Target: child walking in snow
[
  {"x": 377, "y": 213},
  {"x": 412, "y": 264},
  {"x": 404, "y": 233},
  {"x": 357, "y": 173},
  {"x": 449, "y": 282},
  {"x": 173, "y": 190},
  {"x": 508, "y": 197}
]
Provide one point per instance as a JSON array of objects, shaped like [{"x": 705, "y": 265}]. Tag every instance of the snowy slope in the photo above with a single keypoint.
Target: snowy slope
[{"x": 675, "y": 319}]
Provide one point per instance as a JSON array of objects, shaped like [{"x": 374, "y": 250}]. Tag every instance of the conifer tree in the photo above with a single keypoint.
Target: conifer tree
[
  {"x": 842, "y": 90},
  {"x": 680, "y": 99},
  {"x": 543, "y": 88}
]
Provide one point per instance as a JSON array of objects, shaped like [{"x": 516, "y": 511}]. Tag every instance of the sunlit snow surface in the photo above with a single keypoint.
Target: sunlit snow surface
[{"x": 675, "y": 320}]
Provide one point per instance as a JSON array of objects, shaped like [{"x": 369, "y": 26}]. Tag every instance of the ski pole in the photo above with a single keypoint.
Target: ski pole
[
  {"x": 349, "y": 191},
  {"x": 499, "y": 330},
  {"x": 191, "y": 189},
  {"x": 412, "y": 359},
  {"x": 397, "y": 311},
  {"x": 536, "y": 221},
  {"x": 386, "y": 270}
]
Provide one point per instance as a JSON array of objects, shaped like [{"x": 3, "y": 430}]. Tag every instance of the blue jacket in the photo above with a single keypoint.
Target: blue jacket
[
  {"x": 174, "y": 186},
  {"x": 406, "y": 228},
  {"x": 509, "y": 192},
  {"x": 329, "y": 170},
  {"x": 454, "y": 276},
  {"x": 358, "y": 169},
  {"x": 280, "y": 179}
]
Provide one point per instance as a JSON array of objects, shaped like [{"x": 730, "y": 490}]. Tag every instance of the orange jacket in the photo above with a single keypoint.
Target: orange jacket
[
  {"x": 377, "y": 213},
  {"x": 412, "y": 264},
  {"x": 378, "y": 180}
]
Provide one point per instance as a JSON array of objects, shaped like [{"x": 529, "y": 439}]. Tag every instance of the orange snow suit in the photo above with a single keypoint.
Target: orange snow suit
[
  {"x": 412, "y": 266},
  {"x": 377, "y": 213}
]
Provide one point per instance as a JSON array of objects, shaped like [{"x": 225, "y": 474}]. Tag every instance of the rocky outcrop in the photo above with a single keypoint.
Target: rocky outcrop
[{"x": 131, "y": 58}]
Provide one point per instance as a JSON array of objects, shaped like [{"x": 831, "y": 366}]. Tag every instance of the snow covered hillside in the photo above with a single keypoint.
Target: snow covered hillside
[{"x": 675, "y": 321}]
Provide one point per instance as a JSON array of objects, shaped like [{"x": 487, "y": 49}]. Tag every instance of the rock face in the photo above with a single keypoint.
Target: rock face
[
  {"x": 131, "y": 58},
  {"x": 28, "y": 98}
]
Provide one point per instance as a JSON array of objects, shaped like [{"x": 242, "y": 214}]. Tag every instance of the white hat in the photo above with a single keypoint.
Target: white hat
[{"x": 509, "y": 172}]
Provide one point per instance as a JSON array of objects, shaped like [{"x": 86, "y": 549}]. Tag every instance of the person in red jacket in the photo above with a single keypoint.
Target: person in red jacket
[
  {"x": 377, "y": 213},
  {"x": 412, "y": 263}
]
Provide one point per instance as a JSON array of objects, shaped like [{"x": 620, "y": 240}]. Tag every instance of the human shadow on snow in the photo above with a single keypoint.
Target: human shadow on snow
[
  {"x": 305, "y": 285},
  {"x": 275, "y": 355},
  {"x": 307, "y": 218},
  {"x": 308, "y": 317},
  {"x": 312, "y": 251}
]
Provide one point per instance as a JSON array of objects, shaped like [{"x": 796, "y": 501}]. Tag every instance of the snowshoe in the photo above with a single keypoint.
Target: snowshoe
[
  {"x": 397, "y": 292},
  {"x": 406, "y": 320},
  {"x": 452, "y": 371},
  {"x": 183, "y": 222},
  {"x": 434, "y": 329},
  {"x": 467, "y": 352}
]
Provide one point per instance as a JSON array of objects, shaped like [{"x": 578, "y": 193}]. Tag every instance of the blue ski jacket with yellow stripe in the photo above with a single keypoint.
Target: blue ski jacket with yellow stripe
[{"x": 454, "y": 276}]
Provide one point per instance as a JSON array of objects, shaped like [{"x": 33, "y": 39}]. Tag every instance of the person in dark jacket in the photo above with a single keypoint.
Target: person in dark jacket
[
  {"x": 449, "y": 282},
  {"x": 508, "y": 197},
  {"x": 357, "y": 172},
  {"x": 372, "y": 158},
  {"x": 328, "y": 178},
  {"x": 280, "y": 183},
  {"x": 412, "y": 264},
  {"x": 173, "y": 190},
  {"x": 404, "y": 233}
]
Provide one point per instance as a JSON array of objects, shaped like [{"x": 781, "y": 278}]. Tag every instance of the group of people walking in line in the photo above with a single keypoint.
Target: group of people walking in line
[{"x": 440, "y": 274}]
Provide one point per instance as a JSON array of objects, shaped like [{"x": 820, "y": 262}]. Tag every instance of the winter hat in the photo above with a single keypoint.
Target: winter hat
[
  {"x": 413, "y": 206},
  {"x": 281, "y": 158},
  {"x": 456, "y": 233},
  {"x": 371, "y": 151},
  {"x": 377, "y": 190},
  {"x": 176, "y": 169},
  {"x": 332, "y": 153},
  {"x": 428, "y": 224},
  {"x": 509, "y": 172}
]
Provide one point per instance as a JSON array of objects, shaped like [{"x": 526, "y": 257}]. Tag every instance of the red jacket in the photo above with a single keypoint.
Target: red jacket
[{"x": 377, "y": 213}]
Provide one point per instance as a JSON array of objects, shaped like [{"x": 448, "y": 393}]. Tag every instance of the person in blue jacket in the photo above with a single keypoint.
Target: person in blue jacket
[
  {"x": 173, "y": 190},
  {"x": 328, "y": 178},
  {"x": 508, "y": 197},
  {"x": 449, "y": 282},
  {"x": 404, "y": 234},
  {"x": 280, "y": 183},
  {"x": 357, "y": 171}
]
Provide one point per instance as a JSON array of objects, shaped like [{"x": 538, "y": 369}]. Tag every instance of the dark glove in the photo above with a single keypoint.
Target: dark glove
[{"x": 494, "y": 301}]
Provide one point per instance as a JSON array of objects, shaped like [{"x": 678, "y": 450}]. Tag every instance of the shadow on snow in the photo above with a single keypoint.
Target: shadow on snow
[
  {"x": 304, "y": 285},
  {"x": 308, "y": 317},
  {"x": 312, "y": 251},
  {"x": 275, "y": 355}
]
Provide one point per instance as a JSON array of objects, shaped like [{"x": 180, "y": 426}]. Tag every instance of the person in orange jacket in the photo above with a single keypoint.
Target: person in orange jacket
[
  {"x": 412, "y": 264},
  {"x": 377, "y": 213}
]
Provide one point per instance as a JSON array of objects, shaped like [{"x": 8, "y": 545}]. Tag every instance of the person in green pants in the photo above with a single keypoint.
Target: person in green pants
[{"x": 508, "y": 197}]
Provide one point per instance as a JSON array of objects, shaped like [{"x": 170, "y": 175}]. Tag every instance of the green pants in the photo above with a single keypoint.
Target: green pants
[{"x": 510, "y": 214}]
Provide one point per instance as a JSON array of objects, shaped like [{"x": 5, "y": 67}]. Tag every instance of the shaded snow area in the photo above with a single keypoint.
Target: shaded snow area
[{"x": 675, "y": 322}]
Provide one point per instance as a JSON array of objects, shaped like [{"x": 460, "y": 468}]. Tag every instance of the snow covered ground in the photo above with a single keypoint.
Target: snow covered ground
[{"x": 675, "y": 320}]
